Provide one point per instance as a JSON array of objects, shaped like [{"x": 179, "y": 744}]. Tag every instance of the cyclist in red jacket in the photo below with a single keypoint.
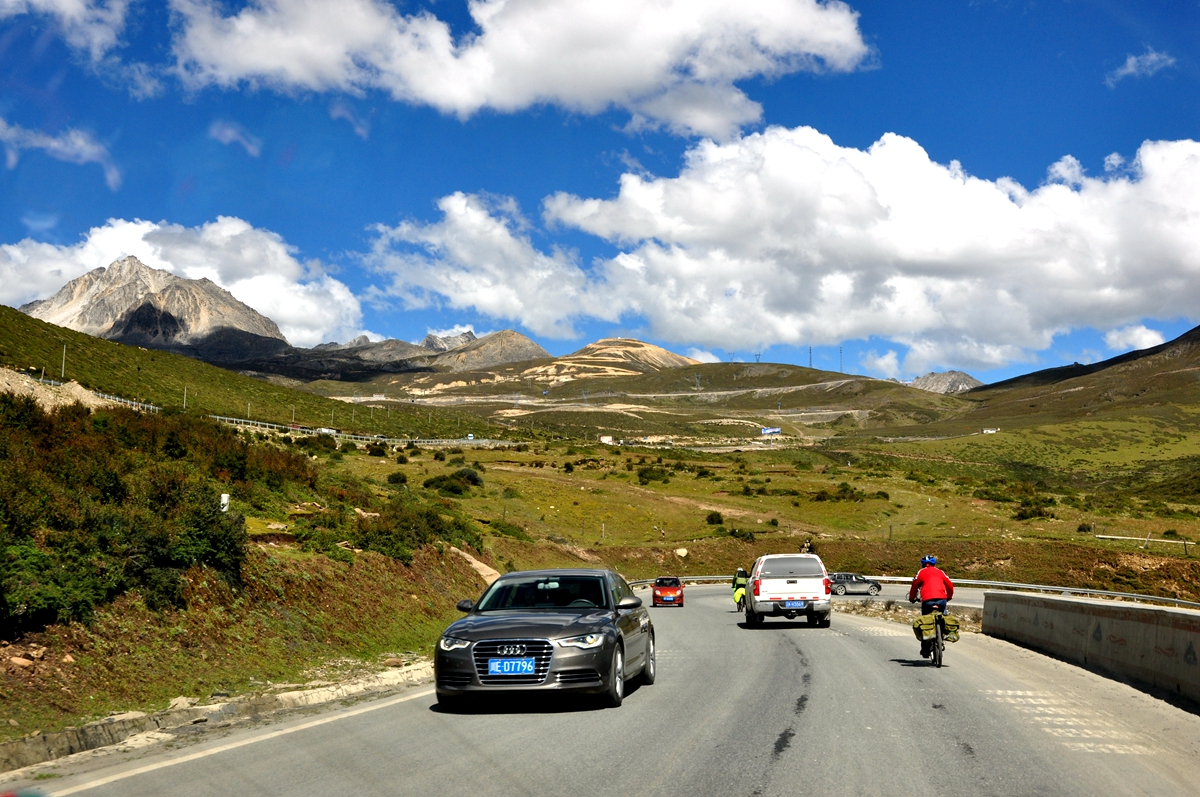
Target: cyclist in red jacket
[{"x": 935, "y": 588}]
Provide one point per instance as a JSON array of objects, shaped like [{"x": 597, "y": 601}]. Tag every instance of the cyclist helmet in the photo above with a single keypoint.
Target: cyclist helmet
[{"x": 928, "y": 560}]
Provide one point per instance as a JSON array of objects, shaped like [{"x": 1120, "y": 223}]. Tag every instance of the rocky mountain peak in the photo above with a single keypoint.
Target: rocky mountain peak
[
  {"x": 946, "y": 382},
  {"x": 447, "y": 342},
  {"x": 132, "y": 302}
]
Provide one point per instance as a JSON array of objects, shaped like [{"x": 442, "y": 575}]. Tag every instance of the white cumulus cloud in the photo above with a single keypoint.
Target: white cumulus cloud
[
  {"x": 1134, "y": 336},
  {"x": 673, "y": 62},
  {"x": 257, "y": 266},
  {"x": 94, "y": 27},
  {"x": 1144, "y": 65},
  {"x": 886, "y": 365},
  {"x": 71, "y": 146},
  {"x": 783, "y": 237},
  {"x": 702, "y": 355}
]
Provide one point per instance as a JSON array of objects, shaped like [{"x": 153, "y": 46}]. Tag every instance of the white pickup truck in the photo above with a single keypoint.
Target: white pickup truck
[{"x": 789, "y": 585}]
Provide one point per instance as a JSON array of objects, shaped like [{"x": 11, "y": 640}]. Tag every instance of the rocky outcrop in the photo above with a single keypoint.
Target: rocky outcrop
[
  {"x": 947, "y": 382},
  {"x": 129, "y": 301},
  {"x": 440, "y": 344},
  {"x": 610, "y": 357}
]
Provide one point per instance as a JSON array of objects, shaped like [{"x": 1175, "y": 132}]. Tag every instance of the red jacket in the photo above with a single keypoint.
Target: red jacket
[{"x": 933, "y": 584}]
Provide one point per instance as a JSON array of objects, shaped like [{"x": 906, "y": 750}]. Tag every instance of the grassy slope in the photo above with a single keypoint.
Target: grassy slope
[
  {"x": 29, "y": 345},
  {"x": 296, "y": 614}
]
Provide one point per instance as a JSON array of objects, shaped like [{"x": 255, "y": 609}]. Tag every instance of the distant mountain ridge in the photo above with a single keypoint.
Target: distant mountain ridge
[
  {"x": 948, "y": 382},
  {"x": 134, "y": 304}
]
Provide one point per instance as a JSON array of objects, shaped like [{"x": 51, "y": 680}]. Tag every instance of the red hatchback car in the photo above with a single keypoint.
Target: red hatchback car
[{"x": 668, "y": 591}]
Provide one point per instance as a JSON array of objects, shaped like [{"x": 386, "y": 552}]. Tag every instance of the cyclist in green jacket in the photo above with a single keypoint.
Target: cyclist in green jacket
[{"x": 741, "y": 580}]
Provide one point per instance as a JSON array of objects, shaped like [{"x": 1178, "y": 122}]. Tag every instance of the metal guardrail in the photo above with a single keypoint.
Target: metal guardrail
[
  {"x": 430, "y": 441},
  {"x": 966, "y": 582},
  {"x": 137, "y": 405}
]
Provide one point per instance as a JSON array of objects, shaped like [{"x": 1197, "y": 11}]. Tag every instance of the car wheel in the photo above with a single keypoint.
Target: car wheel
[
  {"x": 873, "y": 589},
  {"x": 650, "y": 671},
  {"x": 840, "y": 589},
  {"x": 826, "y": 621},
  {"x": 616, "y": 679},
  {"x": 752, "y": 619}
]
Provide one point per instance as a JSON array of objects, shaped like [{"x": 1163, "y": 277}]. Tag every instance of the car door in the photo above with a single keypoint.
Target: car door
[
  {"x": 632, "y": 623},
  {"x": 857, "y": 585}
]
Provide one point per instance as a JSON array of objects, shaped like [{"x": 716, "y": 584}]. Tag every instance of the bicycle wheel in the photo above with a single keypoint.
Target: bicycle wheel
[{"x": 938, "y": 645}]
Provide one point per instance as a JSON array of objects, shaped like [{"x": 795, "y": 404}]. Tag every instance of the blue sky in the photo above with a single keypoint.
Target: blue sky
[{"x": 927, "y": 185}]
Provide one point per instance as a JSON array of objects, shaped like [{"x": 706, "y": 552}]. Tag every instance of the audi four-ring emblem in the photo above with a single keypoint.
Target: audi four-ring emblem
[{"x": 512, "y": 650}]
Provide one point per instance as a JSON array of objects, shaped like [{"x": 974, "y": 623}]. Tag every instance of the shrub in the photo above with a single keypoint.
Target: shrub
[
  {"x": 773, "y": 522},
  {"x": 569, "y": 468},
  {"x": 397, "y": 477},
  {"x": 458, "y": 483},
  {"x": 714, "y": 518},
  {"x": 742, "y": 534},
  {"x": 401, "y": 459},
  {"x": 1086, "y": 528},
  {"x": 510, "y": 530},
  {"x": 439, "y": 456}
]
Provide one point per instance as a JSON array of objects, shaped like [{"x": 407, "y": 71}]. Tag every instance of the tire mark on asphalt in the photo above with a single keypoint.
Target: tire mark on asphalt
[
  {"x": 782, "y": 743},
  {"x": 801, "y": 704}
]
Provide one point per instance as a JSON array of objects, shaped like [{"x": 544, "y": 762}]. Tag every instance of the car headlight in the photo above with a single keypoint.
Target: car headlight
[
  {"x": 450, "y": 643},
  {"x": 658, "y": 592},
  {"x": 585, "y": 641}
]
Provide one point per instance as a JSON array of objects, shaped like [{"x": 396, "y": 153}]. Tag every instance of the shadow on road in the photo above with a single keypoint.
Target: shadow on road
[
  {"x": 767, "y": 626},
  {"x": 916, "y": 663},
  {"x": 531, "y": 703}
]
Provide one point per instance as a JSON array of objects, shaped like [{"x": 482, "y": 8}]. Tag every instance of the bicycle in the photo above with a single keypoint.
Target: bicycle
[{"x": 939, "y": 637}]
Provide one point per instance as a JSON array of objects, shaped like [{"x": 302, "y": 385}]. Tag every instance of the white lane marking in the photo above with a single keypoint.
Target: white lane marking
[
  {"x": 1067, "y": 721},
  {"x": 234, "y": 745},
  {"x": 886, "y": 632}
]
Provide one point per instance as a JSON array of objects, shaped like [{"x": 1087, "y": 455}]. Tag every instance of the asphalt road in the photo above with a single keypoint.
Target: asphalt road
[{"x": 779, "y": 710}]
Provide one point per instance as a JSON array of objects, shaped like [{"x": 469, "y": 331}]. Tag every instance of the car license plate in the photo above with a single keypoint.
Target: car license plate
[
  {"x": 669, "y": 598},
  {"x": 793, "y": 604},
  {"x": 523, "y": 666}
]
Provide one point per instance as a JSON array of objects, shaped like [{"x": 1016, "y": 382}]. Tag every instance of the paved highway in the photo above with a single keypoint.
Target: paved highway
[{"x": 780, "y": 710}]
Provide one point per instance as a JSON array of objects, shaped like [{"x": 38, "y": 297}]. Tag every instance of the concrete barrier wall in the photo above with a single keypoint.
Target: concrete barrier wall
[{"x": 1151, "y": 644}]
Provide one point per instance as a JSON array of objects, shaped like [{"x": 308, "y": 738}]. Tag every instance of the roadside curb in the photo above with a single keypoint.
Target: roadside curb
[{"x": 139, "y": 729}]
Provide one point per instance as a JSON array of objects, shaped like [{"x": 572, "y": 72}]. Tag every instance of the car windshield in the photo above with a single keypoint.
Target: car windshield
[
  {"x": 666, "y": 582},
  {"x": 544, "y": 593},
  {"x": 783, "y": 566}
]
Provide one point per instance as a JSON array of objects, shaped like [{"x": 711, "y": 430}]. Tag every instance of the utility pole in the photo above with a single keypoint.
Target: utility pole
[
  {"x": 64, "y": 363},
  {"x": 247, "y": 410},
  {"x": 758, "y": 356},
  {"x": 810, "y": 356},
  {"x": 840, "y": 368},
  {"x": 293, "y": 413},
  {"x": 185, "y": 397}
]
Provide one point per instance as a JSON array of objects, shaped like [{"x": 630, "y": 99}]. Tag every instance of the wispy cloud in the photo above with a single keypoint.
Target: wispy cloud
[
  {"x": 71, "y": 146},
  {"x": 234, "y": 133},
  {"x": 340, "y": 109},
  {"x": 37, "y": 222},
  {"x": 1144, "y": 65}
]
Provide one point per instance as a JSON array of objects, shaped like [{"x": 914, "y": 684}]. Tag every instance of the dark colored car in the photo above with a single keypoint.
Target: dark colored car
[
  {"x": 668, "y": 591},
  {"x": 558, "y": 630},
  {"x": 853, "y": 583}
]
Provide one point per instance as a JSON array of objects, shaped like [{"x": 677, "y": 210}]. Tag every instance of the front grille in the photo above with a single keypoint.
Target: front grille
[
  {"x": 584, "y": 676},
  {"x": 454, "y": 679},
  {"x": 539, "y": 649}
]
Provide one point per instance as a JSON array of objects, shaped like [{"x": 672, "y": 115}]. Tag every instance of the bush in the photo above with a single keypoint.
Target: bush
[
  {"x": 439, "y": 456},
  {"x": 401, "y": 459},
  {"x": 569, "y": 468},
  {"x": 714, "y": 518},
  {"x": 773, "y": 522},
  {"x": 93, "y": 506},
  {"x": 397, "y": 477},
  {"x": 742, "y": 534},
  {"x": 510, "y": 530},
  {"x": 458, "y": 483},
  {"x": 376, "y": 450},
  {"x": 1086, "y": 528}
]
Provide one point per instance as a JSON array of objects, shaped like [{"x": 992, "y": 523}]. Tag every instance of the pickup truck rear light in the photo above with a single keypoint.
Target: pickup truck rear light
[
  {"x": 828, "y": 584},
  {"x": 757, "y": 585}
]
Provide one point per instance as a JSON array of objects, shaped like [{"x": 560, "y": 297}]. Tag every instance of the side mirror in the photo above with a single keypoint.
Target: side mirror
[
  {"x": 466, "y": 605},
  {"x": 629, "y": 602}
]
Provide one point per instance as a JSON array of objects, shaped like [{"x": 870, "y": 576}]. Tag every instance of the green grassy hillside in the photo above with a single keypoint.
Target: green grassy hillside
[{"x": 30, "y": 345}]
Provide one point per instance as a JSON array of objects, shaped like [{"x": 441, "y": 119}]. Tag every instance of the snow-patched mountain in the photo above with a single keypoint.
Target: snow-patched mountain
[
  {"x": 131, "y": 302},
  {"x": 947, "y": 382}
]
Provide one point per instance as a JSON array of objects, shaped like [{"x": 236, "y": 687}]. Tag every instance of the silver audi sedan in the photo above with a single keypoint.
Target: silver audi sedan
[{"x": 566, "y": 630}]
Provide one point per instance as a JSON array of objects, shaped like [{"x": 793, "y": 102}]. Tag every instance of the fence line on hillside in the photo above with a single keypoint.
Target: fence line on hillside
[
  {"x": 296, "y": 428},
  {"x": 137, "y": 405}
]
